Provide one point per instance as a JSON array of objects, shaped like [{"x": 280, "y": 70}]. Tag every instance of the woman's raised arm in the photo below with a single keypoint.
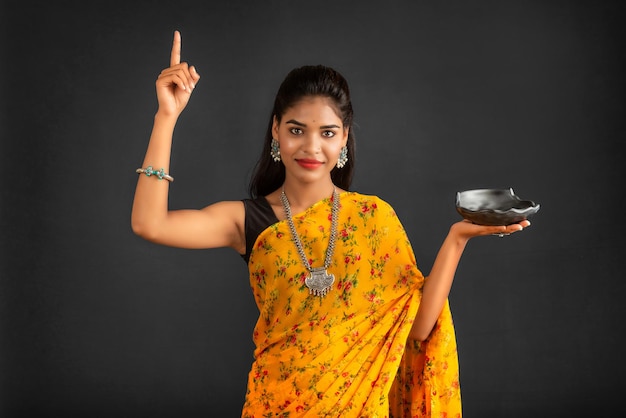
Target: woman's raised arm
[{"x": 218, "y": 225}]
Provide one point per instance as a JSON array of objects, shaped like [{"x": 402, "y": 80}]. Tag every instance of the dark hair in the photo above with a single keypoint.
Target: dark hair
[{"x": 301, "y": 82}]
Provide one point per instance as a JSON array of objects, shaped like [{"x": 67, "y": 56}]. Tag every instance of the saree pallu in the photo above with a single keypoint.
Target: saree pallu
[{"x": 347, "y": 354}]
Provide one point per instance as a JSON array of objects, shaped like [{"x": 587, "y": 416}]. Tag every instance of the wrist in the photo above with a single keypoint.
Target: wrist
[
  {"x": 457, "y": 236},
  {"x": 165, "y": 117}
]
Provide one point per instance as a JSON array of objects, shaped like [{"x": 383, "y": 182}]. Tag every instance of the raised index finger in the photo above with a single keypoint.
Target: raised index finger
[{"x": 175, "y": 56}]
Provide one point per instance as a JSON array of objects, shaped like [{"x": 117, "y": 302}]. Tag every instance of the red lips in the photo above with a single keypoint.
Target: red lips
[{"x": 309, "y": 163}]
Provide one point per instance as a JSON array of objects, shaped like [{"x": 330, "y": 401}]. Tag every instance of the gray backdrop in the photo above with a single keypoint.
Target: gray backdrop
[{"x": 448, "y": 96}]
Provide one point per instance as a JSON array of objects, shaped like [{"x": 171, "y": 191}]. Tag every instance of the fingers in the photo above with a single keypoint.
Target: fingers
[
  {"x": 510, "y": 229},
  {"x": 466, "y": 229},
  {"x": 178, "y": 73},
  {"x": 517, "y": 227},
  {"x": 176, "y": 46},
  {"x": 181, "y": 75},
  {"x": 194, "y": 76}
]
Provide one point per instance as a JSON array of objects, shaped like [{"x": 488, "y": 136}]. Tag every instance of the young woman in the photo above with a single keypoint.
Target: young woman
[{"x": 348, "y": 325}]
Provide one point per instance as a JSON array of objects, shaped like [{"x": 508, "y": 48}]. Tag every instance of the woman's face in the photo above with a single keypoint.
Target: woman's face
[{"x": 311, "y": 136}]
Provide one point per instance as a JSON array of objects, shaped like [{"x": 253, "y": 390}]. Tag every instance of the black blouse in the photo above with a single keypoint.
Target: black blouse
[{"x": 259, "y": 215}]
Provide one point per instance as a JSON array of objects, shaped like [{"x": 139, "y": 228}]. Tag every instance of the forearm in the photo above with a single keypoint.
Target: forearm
[
  {"x": 150, "y": 204},
  {"x": 437, "y": 285}
]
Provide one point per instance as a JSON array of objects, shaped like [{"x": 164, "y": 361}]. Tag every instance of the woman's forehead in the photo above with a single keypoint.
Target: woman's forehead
[{"x": 315, "y": 109}]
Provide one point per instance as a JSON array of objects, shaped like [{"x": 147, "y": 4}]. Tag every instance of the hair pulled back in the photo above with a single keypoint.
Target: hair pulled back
[{"x": 307, "y": 81}]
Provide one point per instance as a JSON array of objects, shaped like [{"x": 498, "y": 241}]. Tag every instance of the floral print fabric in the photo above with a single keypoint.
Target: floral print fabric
[{"x": 347, "y": 354}]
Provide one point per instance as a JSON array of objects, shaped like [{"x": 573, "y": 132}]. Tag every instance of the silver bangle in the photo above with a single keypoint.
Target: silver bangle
[{"x": 160, "y": 174}]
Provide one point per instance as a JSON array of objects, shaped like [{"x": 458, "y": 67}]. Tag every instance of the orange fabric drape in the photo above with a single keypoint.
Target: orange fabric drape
[{"x": 347, "y": 354}]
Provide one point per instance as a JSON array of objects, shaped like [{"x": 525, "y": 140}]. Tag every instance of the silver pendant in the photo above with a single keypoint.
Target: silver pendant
[{"x": 319, "y": 281}]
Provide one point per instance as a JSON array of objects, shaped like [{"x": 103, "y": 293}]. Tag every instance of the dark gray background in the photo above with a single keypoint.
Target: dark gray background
[{"x": 448, "y": 96}]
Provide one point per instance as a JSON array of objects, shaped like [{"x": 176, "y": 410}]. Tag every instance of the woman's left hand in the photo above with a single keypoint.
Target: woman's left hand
[{"x": 466, "y": 229}]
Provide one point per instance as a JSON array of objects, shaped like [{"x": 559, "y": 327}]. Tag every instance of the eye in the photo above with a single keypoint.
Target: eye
[
  {"x": 328, "y": 134},
  {"x": 296, "y": 131}
]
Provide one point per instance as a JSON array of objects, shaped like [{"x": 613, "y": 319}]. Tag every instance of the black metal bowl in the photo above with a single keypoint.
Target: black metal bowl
[{"x": 494, "y": 206}]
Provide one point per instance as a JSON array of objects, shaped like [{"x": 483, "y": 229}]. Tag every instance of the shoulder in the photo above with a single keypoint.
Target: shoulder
[
  {"x": 227, "y": 207},
  {"x": 364, "y": 199},
  {"x": 228, "y": 212},
  {"x": 367, "y": 203},
  {"x": 259, "y": 208}
]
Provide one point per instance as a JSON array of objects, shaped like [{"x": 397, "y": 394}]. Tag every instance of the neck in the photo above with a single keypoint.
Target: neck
[{"x": 302, "y": 196}]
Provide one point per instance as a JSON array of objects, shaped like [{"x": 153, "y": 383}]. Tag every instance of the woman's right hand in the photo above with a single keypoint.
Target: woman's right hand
[{"x": 176, "y": 83}]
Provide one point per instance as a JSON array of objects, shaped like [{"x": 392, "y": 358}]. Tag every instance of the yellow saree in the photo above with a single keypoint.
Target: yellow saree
[{"x": 347, "y": 354}]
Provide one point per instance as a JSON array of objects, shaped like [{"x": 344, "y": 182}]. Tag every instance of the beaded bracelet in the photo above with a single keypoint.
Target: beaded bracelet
[{"x": 161, "y": 174}]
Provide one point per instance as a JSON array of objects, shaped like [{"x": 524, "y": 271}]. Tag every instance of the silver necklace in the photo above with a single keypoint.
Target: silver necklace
[{"x": 319, "y": 281}]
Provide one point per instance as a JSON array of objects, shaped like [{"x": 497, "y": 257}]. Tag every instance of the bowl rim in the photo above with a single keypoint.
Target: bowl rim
[{"x": 532, "y": 204}]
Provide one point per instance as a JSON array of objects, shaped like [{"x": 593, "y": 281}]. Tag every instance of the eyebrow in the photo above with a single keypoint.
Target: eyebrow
[{"x": 295, "y": 122}]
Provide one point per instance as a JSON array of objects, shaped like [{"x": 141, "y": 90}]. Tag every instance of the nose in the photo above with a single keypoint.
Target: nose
[{"x": 312, "y": 143}]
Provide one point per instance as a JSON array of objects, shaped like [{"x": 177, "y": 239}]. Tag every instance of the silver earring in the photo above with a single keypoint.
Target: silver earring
[
  {"x": 275, "y": 151},
  {"x": 343, "y": 157}
]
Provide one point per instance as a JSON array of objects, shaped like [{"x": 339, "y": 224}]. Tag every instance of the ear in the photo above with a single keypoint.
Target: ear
[
  {"x": 344, "y": 142},
  {"x": 274, "y": 127}
]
